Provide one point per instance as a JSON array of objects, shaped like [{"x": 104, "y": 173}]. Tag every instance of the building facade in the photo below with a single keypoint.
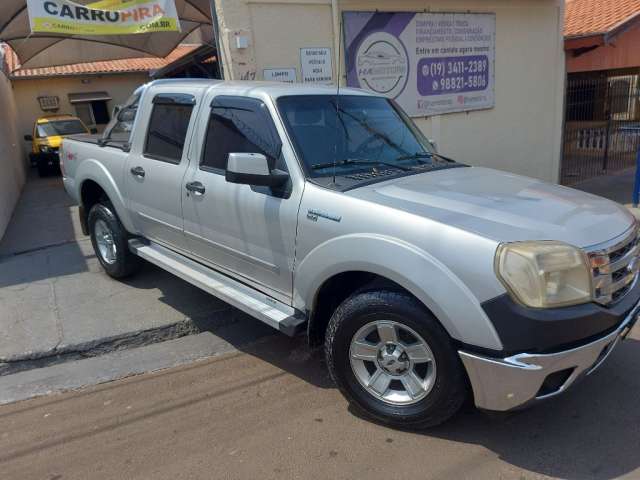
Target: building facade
[
  {"x": 602, "y": 123},
  {"x": 87, "y": 90},
  {"x": 517, "y": 125}
]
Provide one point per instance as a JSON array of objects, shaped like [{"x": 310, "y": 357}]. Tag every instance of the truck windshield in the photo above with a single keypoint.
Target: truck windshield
[
  {"x": 60, "y": 127},
  {"x": 359, "y": 133}
]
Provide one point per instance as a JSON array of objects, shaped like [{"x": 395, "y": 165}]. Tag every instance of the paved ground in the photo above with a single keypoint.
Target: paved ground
[
  {"x": 55, "y": 299},
  {"x": 270, "y": 412},
  {"x": 262, "y": 407},
  {"x": 617, "y": 187}
]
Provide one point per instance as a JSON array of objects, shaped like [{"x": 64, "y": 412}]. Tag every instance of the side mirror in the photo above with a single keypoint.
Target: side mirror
[
  {"x": 115, "y": 111},
  {"x": 93, "y": 130},
  {"x": 28, "y": 138},
  {"x": 253, "y": 169}
]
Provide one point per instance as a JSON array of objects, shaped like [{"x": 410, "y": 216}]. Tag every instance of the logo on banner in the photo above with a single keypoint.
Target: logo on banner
[
  {"x": 107, "y": 17},
  {"x": 382, "y": 64}
]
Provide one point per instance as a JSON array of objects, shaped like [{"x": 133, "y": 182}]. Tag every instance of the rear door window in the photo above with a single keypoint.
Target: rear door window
[{"x": 168, "y": 127}]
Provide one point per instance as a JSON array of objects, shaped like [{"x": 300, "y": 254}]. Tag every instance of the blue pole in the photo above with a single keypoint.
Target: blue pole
[{"x": 636, "y": 185}]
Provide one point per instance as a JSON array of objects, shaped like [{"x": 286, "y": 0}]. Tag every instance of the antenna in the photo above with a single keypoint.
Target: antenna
[{"x": 335, "y": 147}]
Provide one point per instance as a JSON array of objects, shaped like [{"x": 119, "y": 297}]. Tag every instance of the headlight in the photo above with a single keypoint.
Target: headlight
[
  {"x": 544, "y": 274},
  {"x": 45, "y": 149}
]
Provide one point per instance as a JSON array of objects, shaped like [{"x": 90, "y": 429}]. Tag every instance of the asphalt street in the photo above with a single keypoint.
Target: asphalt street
[{"x": 269, "y": 410}]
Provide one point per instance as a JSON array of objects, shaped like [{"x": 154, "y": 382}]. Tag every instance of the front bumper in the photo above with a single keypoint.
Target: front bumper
[{"x": 519, "y": 380}]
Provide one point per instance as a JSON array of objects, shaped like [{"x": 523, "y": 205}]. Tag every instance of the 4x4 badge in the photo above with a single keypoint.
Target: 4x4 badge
[{"x": 313, "y": 215}]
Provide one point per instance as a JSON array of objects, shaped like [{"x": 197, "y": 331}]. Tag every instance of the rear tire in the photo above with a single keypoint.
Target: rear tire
[
  {"x": 378, "y": 345},
  {"x": 111, "y": 242}
]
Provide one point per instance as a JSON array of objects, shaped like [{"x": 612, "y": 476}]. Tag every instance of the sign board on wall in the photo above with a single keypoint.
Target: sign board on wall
[
  {"x": 431, "y": 63},
  {"x": 106, "y": 17},
  {"x": 316, "y": 65},
  {"x": 287, "y": 75}
]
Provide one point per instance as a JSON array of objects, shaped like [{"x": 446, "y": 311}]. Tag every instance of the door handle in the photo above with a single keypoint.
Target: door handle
[
  {"x": 196, "y": 188},
  {"x": 138, "y": 172}
]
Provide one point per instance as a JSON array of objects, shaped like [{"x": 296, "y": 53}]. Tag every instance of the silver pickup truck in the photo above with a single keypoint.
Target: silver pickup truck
[{"x": 426, "y": 280}]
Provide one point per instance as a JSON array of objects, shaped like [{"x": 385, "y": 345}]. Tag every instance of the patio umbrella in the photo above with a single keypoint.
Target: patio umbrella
[{"x": 44, "y": 50}]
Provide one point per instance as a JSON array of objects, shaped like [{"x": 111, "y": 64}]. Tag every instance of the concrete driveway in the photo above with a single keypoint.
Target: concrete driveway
[{"x": 57, "y": 304}]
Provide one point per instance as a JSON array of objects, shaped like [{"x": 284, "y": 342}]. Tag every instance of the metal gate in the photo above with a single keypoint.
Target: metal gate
[{"x": 598, "y": 108}]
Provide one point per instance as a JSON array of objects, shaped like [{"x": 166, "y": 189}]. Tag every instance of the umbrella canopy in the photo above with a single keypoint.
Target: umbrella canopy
[{"x": 42, "y": 50}]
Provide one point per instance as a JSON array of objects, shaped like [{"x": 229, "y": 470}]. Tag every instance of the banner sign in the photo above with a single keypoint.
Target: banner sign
[
  {"x": 107, "y": 17},
  {"x": 431, "y": 63}
]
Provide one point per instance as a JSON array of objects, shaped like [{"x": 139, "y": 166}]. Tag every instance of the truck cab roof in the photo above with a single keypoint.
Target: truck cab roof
[{"x": 259, "y": 88}]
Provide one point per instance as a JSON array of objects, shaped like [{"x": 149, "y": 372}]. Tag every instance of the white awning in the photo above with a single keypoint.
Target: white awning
[{"x": 88, "y": 97}]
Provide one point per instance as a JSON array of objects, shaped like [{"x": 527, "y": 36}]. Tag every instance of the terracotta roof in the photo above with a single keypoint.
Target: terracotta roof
[
  {"x": 129, "y": 65},
  {"x": 597, "y": 17}
]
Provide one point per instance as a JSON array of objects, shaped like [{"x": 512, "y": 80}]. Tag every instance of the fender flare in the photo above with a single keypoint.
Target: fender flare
[
  {"x": 430, "y": 281},
  {"x": 91, "y": 169}
]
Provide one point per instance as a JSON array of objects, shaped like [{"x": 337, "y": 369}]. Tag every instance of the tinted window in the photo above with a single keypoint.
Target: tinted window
[
  {"x": 240, "y": 125},
  {"x": 168, "y": 131}
]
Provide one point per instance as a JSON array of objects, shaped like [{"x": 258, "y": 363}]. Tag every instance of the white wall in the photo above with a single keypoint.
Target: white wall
[
  {"x": 521, "y": 134},
  {"x": 12, "y": 157}
]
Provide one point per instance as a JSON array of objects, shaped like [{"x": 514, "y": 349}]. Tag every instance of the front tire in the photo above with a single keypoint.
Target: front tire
[
  {"x": 391, "y": 358},
  {"x": 111, "y": 242}
]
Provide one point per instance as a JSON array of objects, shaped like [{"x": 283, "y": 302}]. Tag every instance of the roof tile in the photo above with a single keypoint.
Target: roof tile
[
  {"x": 129, "y": 65},
  {"x": 593, "y": 17}
]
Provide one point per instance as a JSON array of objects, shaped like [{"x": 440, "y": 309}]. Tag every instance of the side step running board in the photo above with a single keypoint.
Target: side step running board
[{"x": 272, "y": 312}]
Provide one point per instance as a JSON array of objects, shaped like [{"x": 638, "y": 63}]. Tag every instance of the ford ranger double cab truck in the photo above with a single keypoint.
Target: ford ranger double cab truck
[{"x": 426, "y": 280}]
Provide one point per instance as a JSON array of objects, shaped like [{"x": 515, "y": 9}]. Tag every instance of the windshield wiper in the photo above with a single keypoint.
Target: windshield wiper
[
  {"x": 357, "y": 161},
  {"x": 420, "y": 155},
  {"x": 416, "y": 156}
]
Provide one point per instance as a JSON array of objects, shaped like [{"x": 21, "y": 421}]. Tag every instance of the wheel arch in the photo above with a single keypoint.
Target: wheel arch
[
  {"x": 95, "y": 182},
  {"x": 356, "y": 260},
  {"x": 333, "y": 292}
]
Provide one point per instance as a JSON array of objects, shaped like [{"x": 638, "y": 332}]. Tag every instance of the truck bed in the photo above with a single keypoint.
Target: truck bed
[{"x": 95, "y": 139}]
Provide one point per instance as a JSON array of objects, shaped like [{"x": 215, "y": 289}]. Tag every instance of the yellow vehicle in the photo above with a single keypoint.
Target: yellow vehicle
[{"x": 46, "y": 139}]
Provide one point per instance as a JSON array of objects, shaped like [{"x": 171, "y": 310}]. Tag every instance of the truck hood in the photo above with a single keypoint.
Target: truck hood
[{"x": 503, "y": 206}]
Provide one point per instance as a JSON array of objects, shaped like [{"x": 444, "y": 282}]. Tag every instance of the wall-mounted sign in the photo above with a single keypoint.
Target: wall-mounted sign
[
  {"x": 316, "y": 65},
  {"x": 287, "y": 75},
  {"x": 106, "y": 17},
  {"x": 49, "y": 103},
  {"x": 431, "y": 63}
]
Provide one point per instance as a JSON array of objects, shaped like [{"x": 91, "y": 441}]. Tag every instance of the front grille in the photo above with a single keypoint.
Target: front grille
[{"x": 615, "y": 267}]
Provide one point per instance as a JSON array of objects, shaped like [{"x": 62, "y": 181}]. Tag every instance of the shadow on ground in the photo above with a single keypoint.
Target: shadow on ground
[
  {"x": 591, "y": 432},
  {"x": 243, "y": 332}
]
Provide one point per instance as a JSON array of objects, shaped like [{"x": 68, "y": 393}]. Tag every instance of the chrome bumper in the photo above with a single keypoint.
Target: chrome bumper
[{"x": 513, "y": 382}]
